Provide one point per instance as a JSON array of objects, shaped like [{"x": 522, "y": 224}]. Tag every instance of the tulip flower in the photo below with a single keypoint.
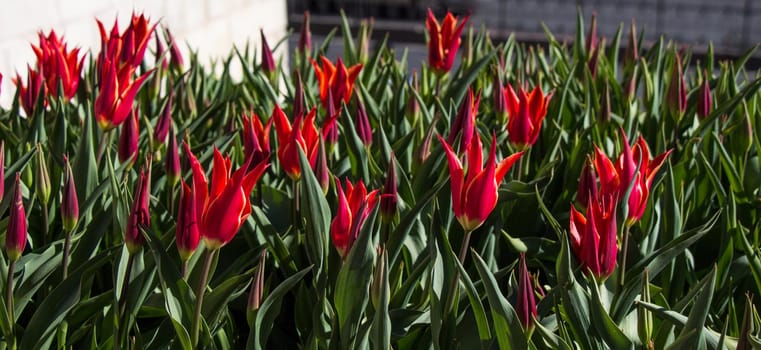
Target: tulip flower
[
  {"x": 465, "y": 122},
  {"x": 305, "y": 38},
  {"x": 256, "y": 137},
  {"x": 139, "y": 215},
  {"x": 187, "y": 234},
  {"x": 354, "y": 206},
  {"x": 29, "y": 93},
  {"x": 705, "y": 102},
  {"x": 128, "y": 139},
  {"x": 116, "y": 93},
  {"x": 127, "y": 48},
  {"x": 677, "y": 92},
  {"x": 526, "y": 302},
  {"x": 362, "y": 123},
  {"x": 58, "y": 65},
  {"x": 268, "y": 62},
  {"x": 165, "y": 120},
  {"x": 302, "y": 134},
  {"x": 69, "y": 200},
  {"x": 443, "y": 41},
  {"x": 338, "y": 79},
  {"x": 526, "y": 113},
  {"x": 594, "y": 236},
  {"x": 222, "y": 208},
  {"x": 475, "y": 196},
  {"x": 15, "y": 236}
]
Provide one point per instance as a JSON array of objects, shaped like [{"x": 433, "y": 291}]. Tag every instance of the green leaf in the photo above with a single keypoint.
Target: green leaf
[
  {"x": 317, "y": 213},
  {"x": 381, "y": 327},
  {"x": 610, "y": 332},
  {"x": 509, "y": 332}
]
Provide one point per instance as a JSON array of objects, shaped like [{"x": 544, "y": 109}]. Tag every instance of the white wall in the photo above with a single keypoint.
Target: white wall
[{"x": 210, "y": 26}]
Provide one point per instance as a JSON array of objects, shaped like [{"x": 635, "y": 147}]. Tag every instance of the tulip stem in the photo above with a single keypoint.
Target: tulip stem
[
  {"x": 209, "y": 257},
  {"x": 519, "y": 175},
  {"x": 66, "y": 250},
  {"x": 184, "y": 270},
  {"x": 102, "y": 146},
  {"x": 45, "y": 222},
  {"x": 624, "y": 251},
  {"x": 456, "y": 280},
  {"x": 9, "y": 303},
  {"x": 295, "y": 206}
]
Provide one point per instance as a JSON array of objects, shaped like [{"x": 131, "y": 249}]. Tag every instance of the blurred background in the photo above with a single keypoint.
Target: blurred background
[{"x": 213, "y": 26}]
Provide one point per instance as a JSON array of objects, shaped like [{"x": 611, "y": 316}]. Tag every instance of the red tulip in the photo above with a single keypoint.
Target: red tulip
[
  {"x": 58, "y": 65},
  {"x": 337, "y": 78},
  {"x": 594, "y": 237},
  {"x": 444, "y": 41},
  {"x": 1, "y": 79},
  {"x": 69, "y": 200},
  {"x": 591, "y": 44},
  {"x": 161, "y": 59},
  {"x": 15, "y": 236},
  {"x": 526, "y": 301},
  {"x": 187, "y": 234},
  {"x": 165, "y": 120},
  {"x": 465, "y": 122},
  {"x": 29, "y": 93},
  {"x": 139, "y": 215},
  {"x": 128, "y": 139},
  {"x": 526, "y": 113},
  {"x": 222, "y": 209},
  {"x": 116, "y": 93},
  {"x": 256, "y": 137},
  {"x": 302, "y": 134},
  {"x": 268, "y": 62},
  {"x": 127, "y": 48},
  {"x": 475, "y": 196},
  {"x": 705, "y": 102},
  {"x": 354, "y": 206}
]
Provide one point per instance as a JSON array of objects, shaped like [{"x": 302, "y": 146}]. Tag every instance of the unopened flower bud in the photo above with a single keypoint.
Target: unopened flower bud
[
  {"x": 69, "y": 200},
  {"x": 41, "y": 177}
]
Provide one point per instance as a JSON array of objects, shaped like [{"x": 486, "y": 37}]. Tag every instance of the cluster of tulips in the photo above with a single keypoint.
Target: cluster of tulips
[{"x": 202, "y": 228}]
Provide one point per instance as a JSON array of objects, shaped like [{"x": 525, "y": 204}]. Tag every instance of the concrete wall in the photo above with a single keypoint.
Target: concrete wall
[{"x": 210, "y": 26}]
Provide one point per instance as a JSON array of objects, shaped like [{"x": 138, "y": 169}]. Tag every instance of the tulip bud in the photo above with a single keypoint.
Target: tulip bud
[
  {"x": 41, "y": 178},
  {"x": 526, "y": 302},
  {"x": 69, "y": 200},
  {"x": 594, "y": 61},
  {"x": 632, "y": 52},
  {"x": 175, "y": 57},
  {"x": 305, "y": 38},
  {"x": 363, "y": 38},
  {"x": 705, "y": 103},
  {"x": 187, "y": 234},
  {"x": 268, "y": 62},
  {"x": 605, "y": 111},
  {"x": 165, "y": 120},
  {"x": 631, "y": 85},
  {"x": 160, "y": 52},
  {"x": 172, "y": 159},
  {"x": 500, "y": 102},
  {"x": 321, "y": 171},
  {"x": 587, "y": 183},
  {"x": 677, "y": 93},
  {"x": 380, "y": 278},
  {"x": 331, "y": 134},
  {"x": 257, "y": 285},
  {"x": 644, "y": 316},
  {"x": 1, "y": 80},
  {"x": 748, "y": 324},
  {"x": 139, "y": 215},
  {"x": 424, "y": 150},
  {"x": 591, "y": 43},
  {"x": 15, "y": 236},
  {"x": 362, "y": 123},
  {"x": 128, "y": 139},
  {"x": 388, "y": 201}
]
